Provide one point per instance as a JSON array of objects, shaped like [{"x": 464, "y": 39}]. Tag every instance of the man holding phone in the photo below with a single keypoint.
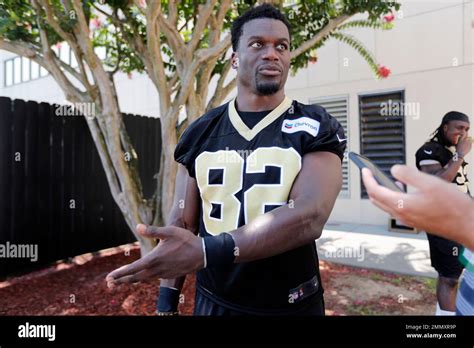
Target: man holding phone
[{"x": 443, "y": 156}]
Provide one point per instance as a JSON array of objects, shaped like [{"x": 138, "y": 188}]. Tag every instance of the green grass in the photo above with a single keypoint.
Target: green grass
[
  {"x": 379, "y": 277},
  {"x": 353, "y": 309},
  {"x": 430, "y": 283}
]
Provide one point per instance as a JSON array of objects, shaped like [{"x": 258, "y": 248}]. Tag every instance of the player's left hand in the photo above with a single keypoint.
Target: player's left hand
[{"x": 178, "y": 253}]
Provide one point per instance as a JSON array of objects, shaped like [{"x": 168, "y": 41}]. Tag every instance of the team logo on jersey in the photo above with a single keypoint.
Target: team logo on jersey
[{"x": 302, "y": 124}]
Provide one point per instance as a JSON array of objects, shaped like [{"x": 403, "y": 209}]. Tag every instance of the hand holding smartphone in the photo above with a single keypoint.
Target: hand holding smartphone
[{"x": 380, "y": 177}]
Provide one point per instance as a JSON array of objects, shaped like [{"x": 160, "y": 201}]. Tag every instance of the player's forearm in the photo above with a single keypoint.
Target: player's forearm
[
  {"x": 280, "y": 230},
  {"x": 450, "y": 171},
  {"x": 299, "y": 222}
]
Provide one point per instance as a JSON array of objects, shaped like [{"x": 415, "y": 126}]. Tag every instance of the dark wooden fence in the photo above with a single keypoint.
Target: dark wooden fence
[{"x": 53, "y": 190}]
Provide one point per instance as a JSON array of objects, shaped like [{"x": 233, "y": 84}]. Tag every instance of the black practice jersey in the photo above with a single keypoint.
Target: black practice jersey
[
  {"x": 243, "y": 173},
  {"x": 433, "y": 152}
]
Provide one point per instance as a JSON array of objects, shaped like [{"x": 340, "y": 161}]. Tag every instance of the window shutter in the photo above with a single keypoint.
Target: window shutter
[
  {"x": 382, "y": 130},
  {"x": 338, "y": 108}
]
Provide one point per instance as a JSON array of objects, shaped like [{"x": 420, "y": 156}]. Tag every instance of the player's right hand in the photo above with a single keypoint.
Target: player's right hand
[
  {"x": 179, "y": 252},
  {"x": 464, "y": 145}
]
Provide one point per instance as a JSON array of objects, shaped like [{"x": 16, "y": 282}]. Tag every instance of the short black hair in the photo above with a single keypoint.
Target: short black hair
[{"x": 261, "y": 11}]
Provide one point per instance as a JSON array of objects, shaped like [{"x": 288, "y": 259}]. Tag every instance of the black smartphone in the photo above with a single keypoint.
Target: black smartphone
[{"x": 380, "y": 177}]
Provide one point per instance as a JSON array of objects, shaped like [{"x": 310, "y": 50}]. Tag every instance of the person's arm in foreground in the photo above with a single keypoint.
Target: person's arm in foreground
[
  {"x": 437, "y": 206},
  {"x": 300, "y": 222}
]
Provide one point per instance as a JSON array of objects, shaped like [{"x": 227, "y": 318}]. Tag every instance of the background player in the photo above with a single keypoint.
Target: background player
[
  {"x": 259, "y": 177},
  {"x": 443, "y": 156}
]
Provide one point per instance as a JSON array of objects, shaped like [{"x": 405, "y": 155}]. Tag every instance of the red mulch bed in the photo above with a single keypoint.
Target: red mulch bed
[{"x": 78, "y": 287}]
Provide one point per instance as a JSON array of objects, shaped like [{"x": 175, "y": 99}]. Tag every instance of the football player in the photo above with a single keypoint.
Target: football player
[
  {"x": 443, "y": 156},
  {"x": 259, "y": 177}
]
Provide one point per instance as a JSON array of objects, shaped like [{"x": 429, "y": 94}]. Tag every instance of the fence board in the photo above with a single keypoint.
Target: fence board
[{"x": 58, "y": 163}]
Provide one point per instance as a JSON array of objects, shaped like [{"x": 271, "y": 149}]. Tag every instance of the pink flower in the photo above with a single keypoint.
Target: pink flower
[
  {"x": 58, "y": 45},
  {"x": 142, "y": 3},
  {"x": 389, "y": 17},
  {"x": 384, "y": 71},
  {"x": 96, "y": 23}
]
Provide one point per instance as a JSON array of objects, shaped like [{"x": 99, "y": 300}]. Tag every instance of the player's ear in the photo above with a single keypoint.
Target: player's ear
[{"x": 234, "y": 60}]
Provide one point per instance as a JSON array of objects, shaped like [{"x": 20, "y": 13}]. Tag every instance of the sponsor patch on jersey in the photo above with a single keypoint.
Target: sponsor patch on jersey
[
  {"x": 302, "y": 124},
  {"x": 304, "y": 290}
]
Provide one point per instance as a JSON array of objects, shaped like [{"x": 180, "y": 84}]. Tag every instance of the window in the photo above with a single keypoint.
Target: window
[
  {"x": 43, "y": 71},
  {"x": 17, "y": 70},
  {"x": 9, "y": 72},
  {"x": 21, "y": 69},
  {"x": 74, "y": 63},
  {"x": 34, "y": 70},
  {"x": 382, "y": 130},
  {"x": 64, "y": 53},
  {"x": 25, "y": 69},
  {"x": 101, "y": 52},
  {"x": 338, "y": 108}
]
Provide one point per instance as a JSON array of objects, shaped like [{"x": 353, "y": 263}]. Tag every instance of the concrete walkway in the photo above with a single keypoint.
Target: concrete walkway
[{"x": 370, "y": 246}]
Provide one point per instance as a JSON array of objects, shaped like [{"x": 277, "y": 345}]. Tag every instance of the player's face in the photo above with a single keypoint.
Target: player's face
[
  {"x": 455, "y": 130},
  {"x": 264, "y": 56}
]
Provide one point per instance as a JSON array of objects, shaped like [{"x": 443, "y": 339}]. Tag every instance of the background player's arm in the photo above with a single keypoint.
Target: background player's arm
[
  {"x": 184, "y": 213},
  {"x": 450, "y": 170},
  {"x": 300, "y": 222}
]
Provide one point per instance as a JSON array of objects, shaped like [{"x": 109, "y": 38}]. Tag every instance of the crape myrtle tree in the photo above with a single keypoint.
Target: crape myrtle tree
[{"x": 182, "y": 45}]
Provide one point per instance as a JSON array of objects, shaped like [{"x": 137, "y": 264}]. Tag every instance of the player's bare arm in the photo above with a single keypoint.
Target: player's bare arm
[
  {"x": 457, "y": 133},
  {"x": 300, "y": 222}
]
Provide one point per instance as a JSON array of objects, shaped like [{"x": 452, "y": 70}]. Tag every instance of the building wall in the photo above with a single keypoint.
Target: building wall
[{"x": 430, "y": 53}]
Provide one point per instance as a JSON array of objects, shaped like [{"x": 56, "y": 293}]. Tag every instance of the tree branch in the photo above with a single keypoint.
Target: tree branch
[
  {"x": 141, "y": 9},
  {"x": 204, "y": 54},
  {"x": 205, "y": 12},
  {"x": 173, "y": 11},
  {"x": 69, "y": 38},
  {"x": 174, "y": 39},
  {"x": 325, "y": 31},
  {"x": 220, "y": 95},
  {"x": 156, "y": 59},
  {"x": 217, "y": 22},
  {"x": 51, "y": 64}
]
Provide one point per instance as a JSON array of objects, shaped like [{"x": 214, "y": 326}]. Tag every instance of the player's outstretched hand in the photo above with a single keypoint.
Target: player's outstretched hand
[
  {"x": 178, "y": 253},
  {"x": 437, "y": 207}
]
